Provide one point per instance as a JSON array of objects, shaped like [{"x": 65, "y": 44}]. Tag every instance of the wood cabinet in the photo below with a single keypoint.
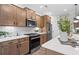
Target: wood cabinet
[
  {"x": 47, "y": 18},
  {"x": 43, "y": 38},
  {"x": 42, "y": 22},
  {"x": 24, "y": 46},
  {"x": 12, "y": 15},
  {"x": 15, "y": 47},
  {"x": 15, "y": 16},
  {"x": 0, "y": 49},
  {"x": 6, "y": 15},
  {"x": 20, "y": 17},
  {"x": 34, "y": 15},
  {"x": 5, "y": 48},
  {"x": 30, "y": 13},
  {"x": 9, "y": 47},
  {"x": 39, "y": 21}
]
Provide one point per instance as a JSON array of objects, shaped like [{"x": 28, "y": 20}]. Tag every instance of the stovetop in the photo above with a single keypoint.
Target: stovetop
[{"x": 32, "y": 34}]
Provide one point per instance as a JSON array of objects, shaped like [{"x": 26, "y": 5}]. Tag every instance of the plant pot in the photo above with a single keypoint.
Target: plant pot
[{"x": 63, "y": 36}]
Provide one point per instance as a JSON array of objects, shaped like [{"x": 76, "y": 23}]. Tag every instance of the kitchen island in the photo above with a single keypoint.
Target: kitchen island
[{"x": 55, "y": 45}]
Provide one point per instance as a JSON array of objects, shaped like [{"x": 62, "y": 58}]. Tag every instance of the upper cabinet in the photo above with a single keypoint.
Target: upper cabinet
[
  {"x": 42, "y": 22},
  {"x": 33, "y": 15},
  {"x": 30, "y": 13},
  {"x": 39, "y": 21},
  {"x": 47, "y": 18},
  {"x": 20, "y": 17},
  {"x": 7, "y": 15},
  {"x": 12, "y": 15}
]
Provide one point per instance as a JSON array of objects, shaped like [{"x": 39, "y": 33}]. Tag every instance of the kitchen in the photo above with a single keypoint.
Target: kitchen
[
  {"x": 33, "y": 29},
  {"x": 22, "y": 31}
]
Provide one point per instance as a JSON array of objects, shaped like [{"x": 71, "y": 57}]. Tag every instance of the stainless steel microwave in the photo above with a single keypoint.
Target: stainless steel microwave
[{"x": 31, "y": 23}]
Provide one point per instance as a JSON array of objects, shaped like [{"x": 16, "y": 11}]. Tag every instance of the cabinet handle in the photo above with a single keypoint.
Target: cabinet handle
[
  {"x": 14, "y": 23},
  {"x": 17, "y": 46}
]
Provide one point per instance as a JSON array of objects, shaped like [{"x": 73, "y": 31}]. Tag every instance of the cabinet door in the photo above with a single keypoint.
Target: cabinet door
[
  {"x": 10, "y": 48},
  {"x": 43, "y": 38},
  {"x": 38, "y": 21},
  {"x": 28, "y": 13},
  {"x": 24, "y": 46},
  {"x": 21, "y": 17},
  {"x": 14, "y": 50},
  {"x": 3, "y": 15},
  {"x": 7, "y": 14},
  {"x": 48, "y": 19},
  {"x": 33, "y": 15},
  {"x": 5, "y": 48},
  {"x": 0, "y": 49}
]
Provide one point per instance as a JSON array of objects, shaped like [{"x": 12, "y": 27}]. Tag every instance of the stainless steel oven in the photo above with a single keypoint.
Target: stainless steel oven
[{"x": 34, "y": 42}]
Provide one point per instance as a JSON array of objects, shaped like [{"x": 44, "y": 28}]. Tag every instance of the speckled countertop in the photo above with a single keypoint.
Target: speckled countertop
[
  {"x": 17, "y": 37},
  {"x": 42, "y": 32},
  {"x": 12, "y": 38},
  {"x": 55, "y": 45}
]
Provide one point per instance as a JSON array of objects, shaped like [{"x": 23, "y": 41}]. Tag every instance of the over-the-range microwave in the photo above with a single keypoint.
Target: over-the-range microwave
[{"x": 30, "y": 23}]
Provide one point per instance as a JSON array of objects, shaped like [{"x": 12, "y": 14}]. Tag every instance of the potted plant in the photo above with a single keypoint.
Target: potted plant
[
  {"x": 64, "y": 26},
  {"x": 3, "y": 34}
]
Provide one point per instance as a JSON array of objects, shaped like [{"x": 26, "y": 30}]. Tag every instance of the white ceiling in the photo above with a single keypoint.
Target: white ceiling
[{"x": 54, "y": 9}]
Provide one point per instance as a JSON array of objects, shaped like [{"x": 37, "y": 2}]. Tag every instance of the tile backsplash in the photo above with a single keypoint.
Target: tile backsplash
[{"x": 14, "y": 30}]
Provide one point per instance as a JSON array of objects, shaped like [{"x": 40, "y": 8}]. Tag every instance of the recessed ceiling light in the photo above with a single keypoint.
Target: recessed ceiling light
[{"x": 65, "y": 9}]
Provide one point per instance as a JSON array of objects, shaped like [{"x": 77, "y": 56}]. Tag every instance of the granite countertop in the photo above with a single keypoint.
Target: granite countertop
[
  {"x": 42, "y": 32},
  {"x": 55, "y": 45},
  {"x": 17, "y": 37},
  {"x": 13, "y": 37}
]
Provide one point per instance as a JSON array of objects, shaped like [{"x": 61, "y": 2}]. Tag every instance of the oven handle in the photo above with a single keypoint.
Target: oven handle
[{"x": 34, "y": 38}]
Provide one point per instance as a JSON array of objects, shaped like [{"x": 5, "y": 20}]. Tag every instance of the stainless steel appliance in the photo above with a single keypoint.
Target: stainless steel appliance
[
  {"x": 49, "y": 31},
  {"x": 30, "y": 23},
  {"x": 34, "y": 42}
]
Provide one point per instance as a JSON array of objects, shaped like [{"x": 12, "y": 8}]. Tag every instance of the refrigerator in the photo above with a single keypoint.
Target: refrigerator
[{"x": 49, "y": 31}]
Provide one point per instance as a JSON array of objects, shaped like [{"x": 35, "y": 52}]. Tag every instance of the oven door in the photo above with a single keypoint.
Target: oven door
[{"x": 34, "y": 43}]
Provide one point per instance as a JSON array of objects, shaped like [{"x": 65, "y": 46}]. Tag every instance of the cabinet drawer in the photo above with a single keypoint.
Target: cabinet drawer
[
  {"x": 9, "y": 42},
  {"x": 23, "y": 39}
]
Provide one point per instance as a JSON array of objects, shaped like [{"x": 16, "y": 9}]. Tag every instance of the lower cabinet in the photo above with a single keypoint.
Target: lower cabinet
[
  {"x": 15, "y": 47},
  {"x": 43, "y": 38},
  {"x": 5, "y": 48},
  {"x": 0, "y": 49},
  {"x": 24, "y": 46}
]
